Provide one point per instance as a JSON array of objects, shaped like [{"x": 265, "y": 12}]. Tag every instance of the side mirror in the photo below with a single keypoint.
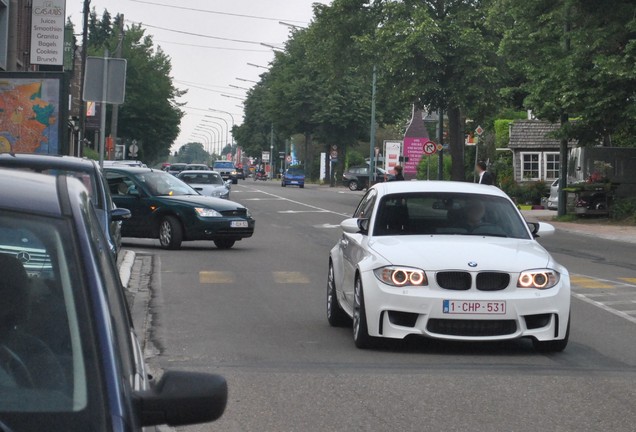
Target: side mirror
[
  {"x": 183, "y": 398},
  {"x": 350, "y": 226},
  {"x": 363, "y": 225},
  {"x": 119, "y": 214},
  {"x": 540, "y": 229},
  {"x": 228, "y": 183}
]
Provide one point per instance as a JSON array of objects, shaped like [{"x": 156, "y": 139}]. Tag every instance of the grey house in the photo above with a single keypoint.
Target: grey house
[{"x": 535, "y": 155}]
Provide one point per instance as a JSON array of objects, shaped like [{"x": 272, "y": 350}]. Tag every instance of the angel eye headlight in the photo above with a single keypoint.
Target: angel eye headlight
[
  {"x": 401, "y": 276},
  {"x": 538, "y": 279},
  {"x": 207, "y": 212}
]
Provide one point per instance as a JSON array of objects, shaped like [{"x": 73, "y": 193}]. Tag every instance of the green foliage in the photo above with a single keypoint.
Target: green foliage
[
  {"x": 355, "y": 157},
  {"x": 576, "y": 57},
  {"x": 624, "y": 209},
  {"x": 90, "y": 153},
  {"x": 192, "y": 153},
  {"x": 428, "y": 165},
  {"x": 150, "y": 113}
]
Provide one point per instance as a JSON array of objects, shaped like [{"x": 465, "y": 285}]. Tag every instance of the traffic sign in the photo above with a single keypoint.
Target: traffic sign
[
  {"x": 479, "y": 131},
  {"x": 429, "y": 148},
  {"x": 288, "y": 159},
  {"x": 133, "y": 149},
  {"x": 440, "y": 147}
]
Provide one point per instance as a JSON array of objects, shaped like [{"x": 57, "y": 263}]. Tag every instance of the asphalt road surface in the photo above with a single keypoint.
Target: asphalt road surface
[{"x": 256, "y": 314}]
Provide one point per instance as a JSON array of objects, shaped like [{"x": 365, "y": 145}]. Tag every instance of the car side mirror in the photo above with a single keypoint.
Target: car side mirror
[
  {"x": 183, "y": 398},
  {"x": 540, "y": 229},
  {"x": 119, "y": 214},
  {"x": 228, "y": 183}
]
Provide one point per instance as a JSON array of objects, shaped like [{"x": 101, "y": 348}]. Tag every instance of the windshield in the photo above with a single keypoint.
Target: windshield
[
  {"x": 160, "y": 183},
  {"x": 229, "y": 165},
  {"x": 296, "y": 171},
  {"x": 44, "y": 362},
  {"x": 448, "y": 214},
  {"x": 210, "y": 178}
]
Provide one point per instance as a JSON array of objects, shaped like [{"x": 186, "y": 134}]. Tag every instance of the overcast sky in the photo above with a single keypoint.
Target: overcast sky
[{"x": 208, "y": 69}]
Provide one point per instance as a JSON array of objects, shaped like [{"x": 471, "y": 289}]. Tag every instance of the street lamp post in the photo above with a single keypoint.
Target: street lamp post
[
  {"x": 206, "y": 140},
  {"x": 219, "y": 132},
  {"x": 229, "y": 114},
  {"x": 211, "y": 133},
  {"x": 227, "y": 126}
]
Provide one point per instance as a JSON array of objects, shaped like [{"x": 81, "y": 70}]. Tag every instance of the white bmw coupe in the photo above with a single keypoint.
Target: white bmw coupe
[{"x": 446, "y": 260}]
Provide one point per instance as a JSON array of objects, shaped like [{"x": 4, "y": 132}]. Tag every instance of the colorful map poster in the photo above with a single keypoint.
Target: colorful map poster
[{"x": 30, "y": 114}]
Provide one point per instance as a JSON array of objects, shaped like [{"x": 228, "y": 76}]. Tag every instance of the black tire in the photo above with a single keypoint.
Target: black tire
[
  {"x": 335, "y": 315},
  {"x": 224, "y": 243},
  {"x": 360, "y": 329},
  {"x": 553, "y": 346},
  {"x": 234, "y": 181},
  {"x": 170, "y": 233},
  {"x": 353, "y": 185},
  {"x": 302, "y": 186},
  {"x": 282, "y": 184}
]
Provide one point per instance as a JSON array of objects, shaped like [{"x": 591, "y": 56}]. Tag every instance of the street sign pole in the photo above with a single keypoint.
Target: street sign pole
[{"x": 102, "y": 124}]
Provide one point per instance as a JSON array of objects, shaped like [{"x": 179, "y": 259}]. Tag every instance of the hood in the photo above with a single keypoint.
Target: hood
[
  {"x": 434, "y": 253},
  {"x": 201, "y": 201}
]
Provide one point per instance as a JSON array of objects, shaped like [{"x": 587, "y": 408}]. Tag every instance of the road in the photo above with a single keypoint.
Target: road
[{"x": 256, "y": 314}]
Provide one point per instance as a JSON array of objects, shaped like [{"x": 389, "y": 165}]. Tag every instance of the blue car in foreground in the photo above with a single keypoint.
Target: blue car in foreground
[
  {"x": 69, "y": 357},
  {"x": 293, "y": 176}
]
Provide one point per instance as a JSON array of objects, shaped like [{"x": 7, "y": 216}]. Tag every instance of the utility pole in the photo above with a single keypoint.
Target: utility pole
[
  {"x": 562, "y": 208},
  {"x": 372, "y": 132},
  {"x": 271, "y": 152},
  {"x": 440, "y": 140},
  {"x": 114, "y": 117},
  {"x": 12, "y": 45},
  {"x": 82, "y": 105}
]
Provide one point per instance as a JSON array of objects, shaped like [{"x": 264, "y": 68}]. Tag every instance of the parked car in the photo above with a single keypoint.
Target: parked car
[
  {"x": 88, "y": 172},
  {"x": 176, "y": 168},
  {"x": 357, "y": 177},
  {"x": 553, "y": 199},
  {"x": 197, "y": 167},
  {"x": 130, "y": 163},
  {"x": 166, "y": 208},
  {"x": 293, "y": 176},
  {"x": 226, "y": 169},
  {"x": 207, "y": 183},
  {"x": 446, "y": 260},
  {"x": 240, "y": 173},
  {"x": 70, "y": 360}
]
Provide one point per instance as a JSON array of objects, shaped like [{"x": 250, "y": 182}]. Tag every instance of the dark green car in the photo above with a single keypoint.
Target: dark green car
[{"x": 166, "y": 208}]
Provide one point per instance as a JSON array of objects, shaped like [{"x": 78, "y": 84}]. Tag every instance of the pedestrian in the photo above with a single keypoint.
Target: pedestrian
[
  {"x": 485, "y": 176},
  {"x": 397, "y": 172}
]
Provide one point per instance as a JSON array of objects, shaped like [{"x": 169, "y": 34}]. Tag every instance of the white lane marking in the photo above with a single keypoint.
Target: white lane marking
[
  {"x": 621, "y": 314},
  {"x": 300, "y": 211},
  {"x": 320, "y": 210},
  {"x": 262, "y": 199},
  {"x": 614, "y": 283},
  {"x": 327, "y": 226}
]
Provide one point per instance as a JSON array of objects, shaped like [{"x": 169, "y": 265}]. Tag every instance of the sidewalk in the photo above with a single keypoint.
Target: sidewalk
[{"x": 592, "y": 228}]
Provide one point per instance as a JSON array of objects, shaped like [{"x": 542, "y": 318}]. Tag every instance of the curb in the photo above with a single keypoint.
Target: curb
[{"x": 125, "y": 267}]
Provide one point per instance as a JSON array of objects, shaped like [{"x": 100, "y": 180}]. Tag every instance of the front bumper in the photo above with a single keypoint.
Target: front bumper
[
  {"x": 400, "y": 312},
  {"x": 219, "y": 228}
]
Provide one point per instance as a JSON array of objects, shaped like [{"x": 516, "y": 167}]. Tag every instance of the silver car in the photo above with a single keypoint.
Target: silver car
[
  {"x": 553, "y": 199},
  {"x": 208, "y": 183}
]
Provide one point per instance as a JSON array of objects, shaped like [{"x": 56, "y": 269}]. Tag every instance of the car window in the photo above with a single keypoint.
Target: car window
[
  {"x": 224, "y": 165},
  {"x": 120, "y": 184},
  {"x": 47, "y": 364},
  {"x": 211, "y": 178},
  {"x": 448, "y": 214},
  {"x": 296, "y": 171},
  {"x": 365, "y": 207}
]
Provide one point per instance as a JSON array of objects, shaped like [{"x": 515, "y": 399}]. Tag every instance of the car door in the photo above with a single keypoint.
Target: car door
[
  {"x": 128, "y": 193},
  {"x": 351, "y": 246}
]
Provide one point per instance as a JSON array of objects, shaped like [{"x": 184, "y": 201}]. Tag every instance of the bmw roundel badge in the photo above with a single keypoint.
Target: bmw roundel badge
[{"x": 472, "y": 264}]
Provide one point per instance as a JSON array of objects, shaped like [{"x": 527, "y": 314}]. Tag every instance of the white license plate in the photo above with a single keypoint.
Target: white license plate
[
  {"x": 474, "y": 307},
  {"x": 293, "y": 182},
  {"x": 239, "y": 224}
]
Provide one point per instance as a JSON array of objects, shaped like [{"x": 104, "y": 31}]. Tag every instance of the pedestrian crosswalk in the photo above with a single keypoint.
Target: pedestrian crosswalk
[{"x": 616, "y": 296}]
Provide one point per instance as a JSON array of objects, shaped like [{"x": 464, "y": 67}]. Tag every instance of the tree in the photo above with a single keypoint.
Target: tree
[
  {"x": 150, "y": 113},
  {"x": 439, "y": 54},
  {"x": 576, "y": 57},
  {"x": 192, "y": 153}
]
